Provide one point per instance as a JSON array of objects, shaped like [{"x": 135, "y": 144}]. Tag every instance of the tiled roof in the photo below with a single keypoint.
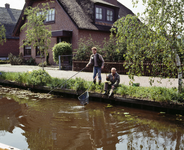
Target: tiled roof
[{"x": 9, "y": 17}]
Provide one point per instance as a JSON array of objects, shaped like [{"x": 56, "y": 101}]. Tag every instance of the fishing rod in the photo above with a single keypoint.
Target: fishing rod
[{"x": 67, "y": 80}]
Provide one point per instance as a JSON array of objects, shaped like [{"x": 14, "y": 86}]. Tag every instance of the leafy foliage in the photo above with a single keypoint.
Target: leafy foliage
[
  {"x": 61, "y": 48},
  {"x": 111, "y": 52},
  {"x": 39, "y": 77},
  {"x": 84, "y": 48},
  {"x": 2, "y": 34},
  {"x": 37, "y": 34},
  {"x": 4, "y": 61},
  {"x": 80, "y": 84},
  {"x": 19, "y": 60},
  {"x": 156, "y": 41},
  {"x": 15, "y": 60},
  {"x": 44, "y": 64},
  {"x": 30, "y": 61}
]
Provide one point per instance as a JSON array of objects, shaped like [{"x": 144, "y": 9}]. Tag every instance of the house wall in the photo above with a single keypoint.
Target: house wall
[
  {"x": 11, "y": 46},
  {"x": 62, "y": 22},
  {"x": 95, "y": 35}
]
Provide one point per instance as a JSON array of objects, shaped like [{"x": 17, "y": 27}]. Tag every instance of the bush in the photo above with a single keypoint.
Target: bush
[
  {"x": 84, "y": 49},
  {"x": 44, "y": 64},
  {"x": 4, "y": 61},
  {"x": 62, "y": 48},
  {"x": 15, "y": 60},
  {"x": 80, "y": 84},
  {"x": 30, "y": 61},
  {"x": 39, "y": 77},
  {"x": 113, "y": 53}
]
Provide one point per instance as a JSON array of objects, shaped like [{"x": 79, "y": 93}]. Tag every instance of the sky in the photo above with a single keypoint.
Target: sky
[{"x": 18, "y": 4}]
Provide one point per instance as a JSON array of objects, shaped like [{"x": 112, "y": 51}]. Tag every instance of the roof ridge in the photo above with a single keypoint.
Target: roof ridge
[{"x": 11, "y": 15}]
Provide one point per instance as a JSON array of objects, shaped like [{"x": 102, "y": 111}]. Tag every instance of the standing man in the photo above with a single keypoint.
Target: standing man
[
  {"x": 97, "y": 61},
  {"x": 112, "y": 82}
]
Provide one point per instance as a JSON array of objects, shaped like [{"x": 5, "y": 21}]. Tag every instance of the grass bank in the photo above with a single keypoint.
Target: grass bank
[{"x": 42, "y": 78}]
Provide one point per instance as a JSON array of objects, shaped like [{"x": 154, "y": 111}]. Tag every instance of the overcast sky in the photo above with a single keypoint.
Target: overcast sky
[{"x": 18, "y": 4}]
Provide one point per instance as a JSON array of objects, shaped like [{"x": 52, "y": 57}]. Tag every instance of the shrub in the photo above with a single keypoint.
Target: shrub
[
  {"x": 61, "y": 48},
  {"x": 84, "y": 49},
  {"x": 4, "y": 61},
  {"x": 44, "y": 64},
  {"x": 30, "y": 61},
  {"x": 113, "y": 53},
  {"x": 15, "y": 60},
  {"x": 80, "y": 84},
  {"x": 39, "y": 77}
]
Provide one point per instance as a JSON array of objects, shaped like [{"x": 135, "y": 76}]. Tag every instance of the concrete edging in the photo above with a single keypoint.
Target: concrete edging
[{"x": 171, "y": 108}]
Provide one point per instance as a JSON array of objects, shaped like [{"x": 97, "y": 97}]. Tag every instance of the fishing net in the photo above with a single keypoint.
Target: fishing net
[{"x": 84, "y": 98}]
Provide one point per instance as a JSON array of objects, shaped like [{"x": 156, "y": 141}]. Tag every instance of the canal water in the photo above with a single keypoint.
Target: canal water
[{"x": 32, "y": 121}]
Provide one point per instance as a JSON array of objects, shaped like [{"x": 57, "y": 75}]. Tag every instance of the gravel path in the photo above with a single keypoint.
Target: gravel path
[{"x": 55, "y": 72}]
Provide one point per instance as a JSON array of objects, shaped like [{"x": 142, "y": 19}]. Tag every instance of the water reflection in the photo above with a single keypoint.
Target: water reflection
[{"x": 62, "y": 124}]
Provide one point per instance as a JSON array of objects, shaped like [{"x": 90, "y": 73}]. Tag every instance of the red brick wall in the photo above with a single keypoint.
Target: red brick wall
[
  {"x": 62, "y": 22},
  {"x": 11, "y": 46},
  {"x": 95, "y": 35}
]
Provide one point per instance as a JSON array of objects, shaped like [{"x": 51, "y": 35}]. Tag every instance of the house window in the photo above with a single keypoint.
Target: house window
[
  {"x": 104, "y": 14},
  {"x": 50, "y": 15},
  {"x": 109, "y": 15},
  {"x": 99, "y": 13},
  {"x": 63, "y": 39},
  {"x": 27, "y": 50},
  {"x": 38, "y": 51}
]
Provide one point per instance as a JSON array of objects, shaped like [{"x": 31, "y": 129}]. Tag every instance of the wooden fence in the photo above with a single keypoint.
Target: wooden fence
[{"x": 78, "y": 65}]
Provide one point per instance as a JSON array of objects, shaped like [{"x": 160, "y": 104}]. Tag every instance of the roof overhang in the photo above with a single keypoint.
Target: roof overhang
[
  {"x": 104, "y": 3},
  {"x": 62, "y": 33}
]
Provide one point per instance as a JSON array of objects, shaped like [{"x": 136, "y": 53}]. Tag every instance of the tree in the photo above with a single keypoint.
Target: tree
[
  {"x": 2, "y": 34},
  {"x": 37, "y": 34},
  {"x": 155, "y": 41}
]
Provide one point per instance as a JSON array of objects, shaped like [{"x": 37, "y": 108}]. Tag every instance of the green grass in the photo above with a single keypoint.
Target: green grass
[{"x": 40, "y": 77}]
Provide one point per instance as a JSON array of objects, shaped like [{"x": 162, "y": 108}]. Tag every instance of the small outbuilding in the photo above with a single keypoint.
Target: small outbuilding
[{"x": 8, "y": 18}]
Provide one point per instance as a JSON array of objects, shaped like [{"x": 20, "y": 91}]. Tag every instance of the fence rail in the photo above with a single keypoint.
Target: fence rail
[{"x": 78, "y": 65}]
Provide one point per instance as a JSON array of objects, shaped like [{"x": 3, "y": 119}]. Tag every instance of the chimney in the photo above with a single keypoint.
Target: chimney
[{"x": 7, "y": 5}]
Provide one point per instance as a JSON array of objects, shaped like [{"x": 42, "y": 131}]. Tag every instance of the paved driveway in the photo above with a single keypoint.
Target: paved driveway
[{"x": 55, "y": 72}]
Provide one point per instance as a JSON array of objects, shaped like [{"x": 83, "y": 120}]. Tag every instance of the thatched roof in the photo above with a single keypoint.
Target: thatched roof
[
  {"x": 82, "y": 12},
  {"x": 8, "y": 18}
]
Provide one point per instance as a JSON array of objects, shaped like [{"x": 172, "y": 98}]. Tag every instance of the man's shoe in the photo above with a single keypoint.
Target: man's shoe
[
  {"x": 94, "y": 81},
  {"x": 111, "y": 93}
]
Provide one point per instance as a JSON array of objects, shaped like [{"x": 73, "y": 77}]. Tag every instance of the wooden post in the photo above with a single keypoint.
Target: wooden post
[{"x": 59, "y": 62}]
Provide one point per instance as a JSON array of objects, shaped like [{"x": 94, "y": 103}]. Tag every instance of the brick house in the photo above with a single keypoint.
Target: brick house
[
  {"x": 8, "y": 18},
  {"x": 74, "y": 19}
]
